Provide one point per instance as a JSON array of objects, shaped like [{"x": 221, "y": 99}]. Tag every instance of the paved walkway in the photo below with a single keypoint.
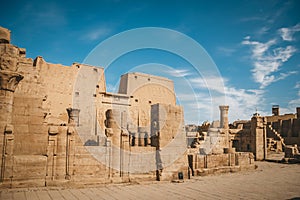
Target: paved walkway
[{"x": 269, "y": 181}]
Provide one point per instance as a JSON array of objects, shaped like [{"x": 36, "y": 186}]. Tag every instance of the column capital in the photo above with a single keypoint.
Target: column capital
[
  {"x": 9, "y": 80},
  {"x": 224, "y": 107},
  {"x": 73, "y": 114}
]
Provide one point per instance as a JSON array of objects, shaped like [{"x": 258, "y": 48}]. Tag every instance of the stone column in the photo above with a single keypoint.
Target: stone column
[
  {"x": 8, "y": 83},
  {"x": 224, "y": 116}
]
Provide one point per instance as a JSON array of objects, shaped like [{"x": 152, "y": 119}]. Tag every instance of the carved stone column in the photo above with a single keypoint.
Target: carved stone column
[{"x": 70, "y": 151}]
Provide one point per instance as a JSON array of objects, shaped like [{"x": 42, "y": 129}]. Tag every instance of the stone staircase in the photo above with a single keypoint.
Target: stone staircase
[{"x": 277, "y": 135}]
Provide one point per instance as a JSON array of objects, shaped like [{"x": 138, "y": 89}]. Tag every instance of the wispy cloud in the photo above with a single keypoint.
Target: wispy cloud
[
  {"x": 288, "y": 33},
  {"x": 268, "y": 60},
  {"x": 239, "y": 97},
  {"x": 97, "y": 33},
  {"x": 262, "y": 31},
  {"x": 210, "y": 83},
  {"x": 242, "y": 102},
  {"x": 178, "y": 72}
]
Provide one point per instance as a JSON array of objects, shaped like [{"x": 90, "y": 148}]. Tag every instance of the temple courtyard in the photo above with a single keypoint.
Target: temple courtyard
[{"x": 269, "y": 181}]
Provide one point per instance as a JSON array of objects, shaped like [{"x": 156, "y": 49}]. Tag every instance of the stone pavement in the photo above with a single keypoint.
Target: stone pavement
[{"x": 268, "y": 181}]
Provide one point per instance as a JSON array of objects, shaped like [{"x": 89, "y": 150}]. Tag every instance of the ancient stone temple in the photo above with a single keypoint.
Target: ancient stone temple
[{"x": 59, "y": 125}]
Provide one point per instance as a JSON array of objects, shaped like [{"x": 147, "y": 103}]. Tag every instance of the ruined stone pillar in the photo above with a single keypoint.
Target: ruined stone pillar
[
  {"x": 298, "y": 112},
  {"x": 224, "y": 116},
  {"x": 51, "y": 153},
  {"x": 258, "y": 137},
  {"x": 73, "y": 114}
]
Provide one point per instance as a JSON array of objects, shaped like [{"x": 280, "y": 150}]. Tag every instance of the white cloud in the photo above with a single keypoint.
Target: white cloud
[
  {"x": 267, "y": 61},
  {"x": 243, "y": 103},
  {"x": 288, "y": 33},
  {"x": 258, "y": 48}
]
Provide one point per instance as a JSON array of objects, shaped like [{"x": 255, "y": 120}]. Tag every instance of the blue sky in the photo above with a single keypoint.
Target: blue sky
[{"x": 254, "y": 45}]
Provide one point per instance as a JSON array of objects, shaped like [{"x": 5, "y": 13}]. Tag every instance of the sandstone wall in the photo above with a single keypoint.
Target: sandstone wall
[{"x": 232, "y": 162}]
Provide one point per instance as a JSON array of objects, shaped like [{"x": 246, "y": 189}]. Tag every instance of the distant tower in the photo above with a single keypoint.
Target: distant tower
[
  {"x": 224, "y": 116},
  {"x": 275, "y": 110}
]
